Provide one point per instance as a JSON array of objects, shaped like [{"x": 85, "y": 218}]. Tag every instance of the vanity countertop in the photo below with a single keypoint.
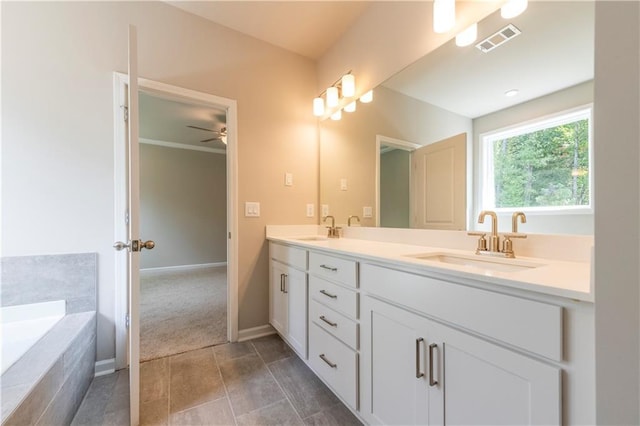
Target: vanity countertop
[{"x": 552, "y": 277}]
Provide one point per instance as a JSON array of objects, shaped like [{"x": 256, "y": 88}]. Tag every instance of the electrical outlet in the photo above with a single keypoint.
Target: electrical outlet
[
  {"x": 288, "y": 179},
  {"x": 310, "y": 210},
  {"x": 325, "y": 210},
  {"x": 367, "y": 212},
  {"x": 252, "y": 209},
  {"x": 343, "y": 184}
]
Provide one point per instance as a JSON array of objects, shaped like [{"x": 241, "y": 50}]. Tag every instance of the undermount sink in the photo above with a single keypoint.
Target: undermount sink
[
  {"x": 310, "y": 238},
  {"x": 478, "y": 263}
]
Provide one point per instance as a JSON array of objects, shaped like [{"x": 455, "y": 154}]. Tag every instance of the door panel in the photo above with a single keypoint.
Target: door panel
[
  {"x": 296, "y": 288},
  {"x": 439, "y": 184},
  {"x": 278, "y": 309}
]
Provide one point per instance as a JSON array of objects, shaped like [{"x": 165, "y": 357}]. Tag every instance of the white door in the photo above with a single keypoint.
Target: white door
[
  {"x": 278, "y": 309},
  {"x": 133, "y": 245},
  {"x": 295, "y": 287},
  {"x": 439, "y": 185}
]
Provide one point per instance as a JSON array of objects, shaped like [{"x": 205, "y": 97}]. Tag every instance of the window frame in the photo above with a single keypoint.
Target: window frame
[{"x": 486, "y": 188}]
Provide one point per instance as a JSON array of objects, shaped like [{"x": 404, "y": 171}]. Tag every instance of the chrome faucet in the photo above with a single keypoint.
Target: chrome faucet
[
  {"x": 333, "y": 231},
  {"x": 494, "y": 241},
  {"x": 353, "y": 216}
]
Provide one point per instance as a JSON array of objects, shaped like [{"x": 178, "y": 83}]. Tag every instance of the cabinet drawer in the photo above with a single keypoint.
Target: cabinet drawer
[
  {"x": 289, "y": 255},
  {"x": 335, "y": 323},
  {"x": 339, "y": 298},
  {"x": 335, "y": 362},
  {"x": 530, "y": 325},
  {"x": 340, "y": 270}
]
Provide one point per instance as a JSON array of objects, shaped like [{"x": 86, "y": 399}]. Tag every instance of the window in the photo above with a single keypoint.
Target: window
[{"x": 541, "y": 165}]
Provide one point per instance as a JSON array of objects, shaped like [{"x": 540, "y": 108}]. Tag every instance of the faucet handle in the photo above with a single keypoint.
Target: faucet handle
[
  {"x": 482, "y": 242},
  {"x": 476, "y": 234},
  {"x": 515, "y": 235}
]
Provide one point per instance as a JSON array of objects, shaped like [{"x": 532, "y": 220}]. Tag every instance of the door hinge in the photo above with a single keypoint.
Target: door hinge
[
  {"x": 125, "y": 112},
  {"x": 126, "y": 320}
]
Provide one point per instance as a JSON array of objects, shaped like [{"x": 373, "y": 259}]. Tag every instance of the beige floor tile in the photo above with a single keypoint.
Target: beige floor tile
[
  {"x": 154, "y": 413},
  {"x": 154, "y": 380},
  {"x": 212, "y": 413}
]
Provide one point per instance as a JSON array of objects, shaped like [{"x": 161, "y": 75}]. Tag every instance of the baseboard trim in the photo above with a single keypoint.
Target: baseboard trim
[
  {"x": 183, "y": 267},
  {"x": 105, "y": 367},
  {"x": 255, "y": 332}
]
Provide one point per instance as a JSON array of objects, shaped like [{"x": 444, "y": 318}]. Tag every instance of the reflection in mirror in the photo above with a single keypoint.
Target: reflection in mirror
[{"x": 456, "y": 90}]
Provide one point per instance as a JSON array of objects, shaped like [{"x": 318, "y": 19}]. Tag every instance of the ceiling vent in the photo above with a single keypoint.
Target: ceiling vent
[{"x": 499, "y": 38}]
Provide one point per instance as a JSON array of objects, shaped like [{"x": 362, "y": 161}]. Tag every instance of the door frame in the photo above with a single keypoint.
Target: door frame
[
  {"x": 398, "y": 144},
  {"x": 167, "y": 91}
]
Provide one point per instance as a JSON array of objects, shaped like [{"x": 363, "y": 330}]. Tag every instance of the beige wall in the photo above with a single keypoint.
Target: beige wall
[
  {"x": 579, "y": 95},
  {"x": 183, "y": 206},
  {"x": 348, "y": 146},
  {"x": 57, "y": 129}
]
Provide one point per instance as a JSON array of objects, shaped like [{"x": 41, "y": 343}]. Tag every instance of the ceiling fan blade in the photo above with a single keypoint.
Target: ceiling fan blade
[{"x": 202, "y": 128}]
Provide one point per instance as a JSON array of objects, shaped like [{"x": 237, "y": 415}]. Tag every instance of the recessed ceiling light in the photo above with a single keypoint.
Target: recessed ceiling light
[{"x": 511, "y": 93}]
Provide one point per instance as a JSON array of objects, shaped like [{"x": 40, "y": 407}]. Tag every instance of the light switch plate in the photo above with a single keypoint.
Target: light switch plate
[
  {"x": 325, "y": 210},
  {"x": 252, "y": 209},
  {"x": 367, "y": 212},
  {"x": 310, "y": 210},
  {"x": 288, "y": 179},
  {"x": 343, "y": 184}
]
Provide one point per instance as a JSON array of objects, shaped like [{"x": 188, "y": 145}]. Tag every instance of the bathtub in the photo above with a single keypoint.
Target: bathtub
[{"x": 24, "y": 325}]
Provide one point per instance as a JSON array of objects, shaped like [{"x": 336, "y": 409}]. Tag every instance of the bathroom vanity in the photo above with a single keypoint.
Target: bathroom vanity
[{"x": 416, "y": 334}]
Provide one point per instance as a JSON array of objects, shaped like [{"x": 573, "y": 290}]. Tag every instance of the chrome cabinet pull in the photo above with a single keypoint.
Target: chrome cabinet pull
[
  {"x": 419, "y": 374},
  {"x": 329, "y": 268},
  {"x": 329, "y": 363},
  {"x": 333, "y": 296},
  {"x": 284, "y": 285},
  {"x": 281, "y": 283},
  {"x": 432, "y": 382},
  {"x": 332, "y": 324}
]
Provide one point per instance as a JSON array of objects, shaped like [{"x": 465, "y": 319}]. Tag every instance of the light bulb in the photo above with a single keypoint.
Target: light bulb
[
  {"x": 444, "y": 15},
  {"x": 336, "y": 115},
  {"x": 332, "y": 97},
  {"x": 513, "y": 8},
  {"x": 318, "y": 107},
  {"x": 467, "y": 36},
  {"x": 348, "y": 85},
  {"x": 367, "y": 97},
  {"x": 351, "y": 107}
]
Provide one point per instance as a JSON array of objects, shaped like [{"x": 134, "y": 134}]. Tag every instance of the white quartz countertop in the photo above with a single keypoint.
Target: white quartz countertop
[{"x": 557, "y": 278}]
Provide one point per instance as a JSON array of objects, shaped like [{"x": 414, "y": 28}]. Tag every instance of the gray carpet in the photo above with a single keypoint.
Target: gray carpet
[{"x": 182, "y": 311}]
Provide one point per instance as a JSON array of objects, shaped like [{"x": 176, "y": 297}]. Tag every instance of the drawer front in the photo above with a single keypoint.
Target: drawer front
[
  {"x": 289, "y": 255},
  {"x": 530, "y": 325},
  {"x": 336, "y": 269},
  {"x": 339, "y": 298},
  {"x": 335, "y": 323},
  {"x": 335, "y": 362}
]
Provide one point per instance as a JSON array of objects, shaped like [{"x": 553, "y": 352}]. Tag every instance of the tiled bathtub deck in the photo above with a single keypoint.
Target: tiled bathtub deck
[{"x": 259, "y": 382}]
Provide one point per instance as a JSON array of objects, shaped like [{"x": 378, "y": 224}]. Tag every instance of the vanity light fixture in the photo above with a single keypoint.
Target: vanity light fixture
[
  {"x": 444, "y": 15},
  {"x": 348, "y": 85},
  {"x": 332, "y": 97},
  {"x": 318, "y": 107},
  {"x": 513, "y": 8},
  {"x": 337, "y": 115},
  {"x": 468, "y": 36},
  {"x": 367, "y": 97},
  {"x": 350, "y": 107},
  {"x": 511, "y": 93}
]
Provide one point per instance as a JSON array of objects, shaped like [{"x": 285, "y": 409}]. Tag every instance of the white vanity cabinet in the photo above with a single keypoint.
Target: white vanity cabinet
[
  {"x": 417, "y": 370},
  {"x": 288, "y": 295}
]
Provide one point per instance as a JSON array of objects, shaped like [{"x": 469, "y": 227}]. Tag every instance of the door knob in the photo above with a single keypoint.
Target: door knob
[{"x": 135, "y": 245}]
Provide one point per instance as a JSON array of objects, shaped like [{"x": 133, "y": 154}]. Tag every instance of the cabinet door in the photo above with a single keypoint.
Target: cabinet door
[
  {"x": 295, "y": 288},
  {"x": 278, "y": 309},
  {"x": 394, "y": 382},
  {"x": 482, "y": 383}
]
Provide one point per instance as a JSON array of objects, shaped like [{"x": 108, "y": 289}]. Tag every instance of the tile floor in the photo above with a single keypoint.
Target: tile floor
[{"x": 258, "y": 382}]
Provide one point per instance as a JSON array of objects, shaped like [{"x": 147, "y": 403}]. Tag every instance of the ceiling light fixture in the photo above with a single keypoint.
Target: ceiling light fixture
[
  {"x": 513, "y": 8},
  {"x": 444, "y": 15},
  {"x": 468, "y": 36},
  {"x": 367, "y": 97}
]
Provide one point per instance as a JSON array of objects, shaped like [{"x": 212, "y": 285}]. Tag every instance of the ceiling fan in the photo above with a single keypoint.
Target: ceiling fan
[{"x": 222, "y": 134}]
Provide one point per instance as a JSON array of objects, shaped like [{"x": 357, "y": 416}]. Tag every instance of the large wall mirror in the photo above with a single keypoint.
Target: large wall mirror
[{"x": 376, "y": 162}]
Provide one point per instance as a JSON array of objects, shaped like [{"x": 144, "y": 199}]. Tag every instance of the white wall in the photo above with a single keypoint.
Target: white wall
[
  {"x": 545, "y": 223},
  {"x": 57, "y": 129},
  {"x": 617, "y": 219},
  {"x": 183, "y": 206}
]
